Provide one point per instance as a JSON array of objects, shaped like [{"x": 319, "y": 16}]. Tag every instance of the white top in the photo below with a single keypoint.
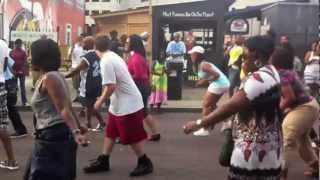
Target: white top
[
  {"x": 76, "y": 55},
  {"x": 126, "y": 99},
  {"x": 4, "y": 52},
  {"x": 258, "y": 145}
]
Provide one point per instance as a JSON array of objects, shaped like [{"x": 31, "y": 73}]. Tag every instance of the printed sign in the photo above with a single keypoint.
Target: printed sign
[
  {"x": 239, "y": 26},
  {"x": 198, "y": 14},
  {"x": 28, "y": 36}
]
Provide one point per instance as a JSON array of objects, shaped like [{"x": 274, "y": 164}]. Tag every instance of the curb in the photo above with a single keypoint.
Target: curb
[{"x": 163, "y": 110}]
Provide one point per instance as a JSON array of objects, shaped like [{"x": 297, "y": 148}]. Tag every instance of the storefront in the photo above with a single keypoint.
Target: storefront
[
  {"x": 205, "y": 19},
  {"x": 125, "y": 23}
]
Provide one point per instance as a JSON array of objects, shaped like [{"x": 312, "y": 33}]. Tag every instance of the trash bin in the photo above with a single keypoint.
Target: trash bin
[{"x": 175, "y": 79}]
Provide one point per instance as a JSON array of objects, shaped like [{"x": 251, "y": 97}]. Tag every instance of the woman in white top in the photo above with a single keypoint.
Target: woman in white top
[{"x": 312, "y": 70}]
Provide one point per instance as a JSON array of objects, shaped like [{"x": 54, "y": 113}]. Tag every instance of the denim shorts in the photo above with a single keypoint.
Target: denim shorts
[
  {"x": 234, "y": 77},
  {"x": 53, "y": 155}
]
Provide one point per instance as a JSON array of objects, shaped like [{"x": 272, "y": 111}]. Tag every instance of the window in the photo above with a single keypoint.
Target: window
[
  {"x": 95, "y": 0},
  {"x": 94, "y": 12},
  {"x": 87, "y": 0},
  {"x": 105, "y": 0},
  {"x": 144, "y": 0},
  {"x": 87, "y": 13}
]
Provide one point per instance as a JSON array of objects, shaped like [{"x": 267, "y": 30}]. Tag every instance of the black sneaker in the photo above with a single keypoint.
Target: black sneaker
[
  {"x": 18, "y": 135},
  {"x": 155, "y": 137},
  {"x": 101, "y": 164},
  {"x": 144, "y": 167}
]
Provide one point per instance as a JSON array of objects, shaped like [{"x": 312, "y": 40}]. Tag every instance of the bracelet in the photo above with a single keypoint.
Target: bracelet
[{"x": 76, "y": 131}]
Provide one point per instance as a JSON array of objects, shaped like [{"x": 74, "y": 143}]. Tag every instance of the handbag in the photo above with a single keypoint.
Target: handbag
[{"x": 226, "y": 149}]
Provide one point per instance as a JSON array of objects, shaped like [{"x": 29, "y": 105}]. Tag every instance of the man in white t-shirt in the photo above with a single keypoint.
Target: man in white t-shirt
[
  {"x": 125, "y": 119},
  {"x": 10, "y": 163},
  {"x": 76, "y": 54}
]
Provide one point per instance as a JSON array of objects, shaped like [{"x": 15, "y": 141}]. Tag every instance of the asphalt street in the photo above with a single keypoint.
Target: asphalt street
[{"x": 175, "y": 157}]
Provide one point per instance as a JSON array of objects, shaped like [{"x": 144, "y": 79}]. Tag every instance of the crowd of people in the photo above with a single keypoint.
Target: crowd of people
[
  {"x": 271, "y": 112},
  {"x": 117, "y": 73}
]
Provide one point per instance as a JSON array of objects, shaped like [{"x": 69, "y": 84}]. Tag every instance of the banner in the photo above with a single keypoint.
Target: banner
[{"x": 29, "y": 36}]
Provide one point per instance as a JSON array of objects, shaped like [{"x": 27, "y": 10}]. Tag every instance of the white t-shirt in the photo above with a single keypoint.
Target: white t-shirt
[
  {"x": 126, "y": 99},
  {"x": 4, "y": 52},
  {"x": 76, "y": 55}
]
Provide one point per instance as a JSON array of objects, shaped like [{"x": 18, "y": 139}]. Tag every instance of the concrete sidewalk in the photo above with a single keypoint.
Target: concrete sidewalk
[{"x": 191, "y": 99}]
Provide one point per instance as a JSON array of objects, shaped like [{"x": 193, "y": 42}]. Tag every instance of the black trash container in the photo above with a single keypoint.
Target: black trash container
[{"x": 175, "y": 79}]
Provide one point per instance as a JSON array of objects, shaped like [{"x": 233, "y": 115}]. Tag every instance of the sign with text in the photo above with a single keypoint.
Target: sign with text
[
  {"x": 29, "y": 36},
  {"x": 198, "y": 14},
  {"x": 239, "y": 26}
]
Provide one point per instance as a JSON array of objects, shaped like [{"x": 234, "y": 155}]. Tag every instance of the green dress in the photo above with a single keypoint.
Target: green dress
[{"x": 159, "y": 84}]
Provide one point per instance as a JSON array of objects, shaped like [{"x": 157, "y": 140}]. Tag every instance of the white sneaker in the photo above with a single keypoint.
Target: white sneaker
[
  {"x": 9, "y": 165},
  {"x": 99, "y": 128},
  {"x": 201, "y": 132}
]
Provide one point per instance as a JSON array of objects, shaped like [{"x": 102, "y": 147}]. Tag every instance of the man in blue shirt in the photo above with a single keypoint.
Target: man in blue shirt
[
  {"x": 11, "y": 87},
  {"x": 176, "y": 49}
]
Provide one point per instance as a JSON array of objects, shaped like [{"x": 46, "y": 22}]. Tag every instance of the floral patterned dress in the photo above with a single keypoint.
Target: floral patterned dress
[{"x": 257, "y": 153}]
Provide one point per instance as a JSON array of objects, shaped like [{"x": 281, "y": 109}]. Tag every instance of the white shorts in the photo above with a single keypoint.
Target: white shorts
[{"x": 214, "y": 89}]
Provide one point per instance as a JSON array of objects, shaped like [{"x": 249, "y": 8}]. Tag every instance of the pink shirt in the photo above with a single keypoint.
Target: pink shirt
[{"x": 139, "y": 69}]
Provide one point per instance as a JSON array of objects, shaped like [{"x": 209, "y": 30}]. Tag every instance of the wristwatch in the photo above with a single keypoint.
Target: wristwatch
[
  {"x": 199, "y": 122},
  {"x": 76, "y": 131}
]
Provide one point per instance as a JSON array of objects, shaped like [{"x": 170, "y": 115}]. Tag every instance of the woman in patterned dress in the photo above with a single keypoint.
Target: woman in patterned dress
[
  {"x": 257, "y": 153},
  {"x": 159, "y": 84}
]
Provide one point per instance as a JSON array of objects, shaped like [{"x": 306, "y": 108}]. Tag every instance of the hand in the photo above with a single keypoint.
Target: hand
[
  {"x": 190, "y": 127},
  {"x": 98, "y": 104},
  {"x": 83, "y": 130},
  {"x": 81, "y": 139}
]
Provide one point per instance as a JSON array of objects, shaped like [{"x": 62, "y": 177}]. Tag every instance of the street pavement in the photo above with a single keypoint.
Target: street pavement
[{"x": 175, "y": 157}]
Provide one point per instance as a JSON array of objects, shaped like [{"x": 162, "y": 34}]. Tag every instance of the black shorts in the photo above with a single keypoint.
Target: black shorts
[
  {"x": 87, "y": 101},
  {"x": 145, "y": 91}
]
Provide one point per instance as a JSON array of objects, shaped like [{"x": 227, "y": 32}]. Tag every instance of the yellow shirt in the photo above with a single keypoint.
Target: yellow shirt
[{"x": 234, "y": 54}]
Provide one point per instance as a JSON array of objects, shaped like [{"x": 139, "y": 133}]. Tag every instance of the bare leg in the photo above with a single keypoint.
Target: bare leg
[
  {"x": 88, "y": 116},
  {"x": 138, "y": 148},
  {"x": 107, "y": 146},
  {"x": 151, "y": 123},
  {"x": 4, "y": 136},
  {"x": 98, "y": 116},
  {"x": 209, "y": 103}
]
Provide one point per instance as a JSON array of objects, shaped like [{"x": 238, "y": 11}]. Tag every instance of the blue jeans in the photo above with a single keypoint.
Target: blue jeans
[
  {"x": 22, "y": 79},
  {"x": 234, "y": 77}
]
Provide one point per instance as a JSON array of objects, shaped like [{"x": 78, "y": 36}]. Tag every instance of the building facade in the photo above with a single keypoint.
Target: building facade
[
  {"x": 98, "y": 7},
  {"x": 61, "y": 20}
]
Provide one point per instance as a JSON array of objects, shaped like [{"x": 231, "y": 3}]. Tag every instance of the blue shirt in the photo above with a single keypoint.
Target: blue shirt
[
  {"x": 176, "y": 48},
  {"x": 8, "y": 72}
]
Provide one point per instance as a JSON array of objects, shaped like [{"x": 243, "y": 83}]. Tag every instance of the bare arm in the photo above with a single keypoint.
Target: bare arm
[
  {"x": 213, "y": 75},
  {"x": 82, "y": 66},
  {"x": 60, "y": 99},
  {"x": 106, "y": 93},
  {"x": 238, "y": 102}
]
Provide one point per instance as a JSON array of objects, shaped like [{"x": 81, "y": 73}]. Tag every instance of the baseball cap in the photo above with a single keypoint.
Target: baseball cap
[
  {"x": 197, "y": 49},
  {"x": 144, "y": 35}
]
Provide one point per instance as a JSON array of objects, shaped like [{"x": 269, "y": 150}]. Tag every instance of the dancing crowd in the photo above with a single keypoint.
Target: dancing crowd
[{"x": 267, "y": 117}]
